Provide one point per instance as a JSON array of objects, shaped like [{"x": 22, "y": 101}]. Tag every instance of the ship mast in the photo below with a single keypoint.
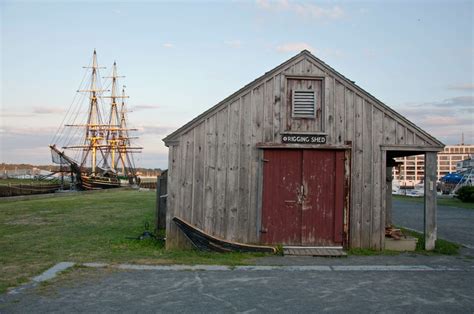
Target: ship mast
[
  {"x": 109, "y": 138},
  {"x": 114, "y": 122},
  {"x": 123, "y": 134},
  {"x": 117, "y": 139},
  {"x": 93, "y": 133}
]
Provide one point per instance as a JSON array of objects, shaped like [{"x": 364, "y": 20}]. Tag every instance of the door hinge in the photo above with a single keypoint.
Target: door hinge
[
  {"x": 263, "y": 230},
  {"x": 265, "y": 160}
]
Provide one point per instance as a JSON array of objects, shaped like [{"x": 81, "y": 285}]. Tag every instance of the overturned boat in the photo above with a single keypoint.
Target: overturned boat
[{"x": 206, "y": 242}]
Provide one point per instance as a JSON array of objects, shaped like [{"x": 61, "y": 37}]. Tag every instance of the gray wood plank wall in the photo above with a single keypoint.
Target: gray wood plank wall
[{"x": 215, "y": 171}]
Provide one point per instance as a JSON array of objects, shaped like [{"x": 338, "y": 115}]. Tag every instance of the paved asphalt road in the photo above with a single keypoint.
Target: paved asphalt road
[
  {"x": 454, "y": 224},
  {"x": 246, "y": 291}
]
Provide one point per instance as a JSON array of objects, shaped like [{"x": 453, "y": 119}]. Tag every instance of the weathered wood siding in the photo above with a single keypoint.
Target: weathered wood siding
[{"x": 215, "y": 168}]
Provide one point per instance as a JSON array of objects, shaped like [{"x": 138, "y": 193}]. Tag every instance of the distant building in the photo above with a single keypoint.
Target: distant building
[{"x": 411, "y": 169}]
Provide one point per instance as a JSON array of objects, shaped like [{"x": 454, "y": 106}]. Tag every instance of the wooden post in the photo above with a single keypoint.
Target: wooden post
[
  {"x": 161, "y": 197},
  {"x": 388, "y": 197},
  {"x": 430, "y": 200},
  {"x": 157, "y": 215}
]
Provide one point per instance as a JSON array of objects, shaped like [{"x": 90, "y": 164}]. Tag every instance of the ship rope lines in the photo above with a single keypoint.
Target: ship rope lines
[{"x": 95, "y": 147}]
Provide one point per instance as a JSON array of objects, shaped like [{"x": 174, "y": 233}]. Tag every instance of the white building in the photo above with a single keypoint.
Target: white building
[{"x": 410, "y": 172}]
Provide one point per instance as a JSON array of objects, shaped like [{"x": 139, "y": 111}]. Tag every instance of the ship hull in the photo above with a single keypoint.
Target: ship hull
[{"x": 97, "y": 183}]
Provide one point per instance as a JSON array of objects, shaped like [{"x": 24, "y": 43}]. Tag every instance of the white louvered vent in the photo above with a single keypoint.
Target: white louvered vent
[{"x": 304, "y": 104}]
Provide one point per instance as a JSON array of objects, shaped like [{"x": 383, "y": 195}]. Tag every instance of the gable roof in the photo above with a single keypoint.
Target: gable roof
[{"x": 326, "y": 68}]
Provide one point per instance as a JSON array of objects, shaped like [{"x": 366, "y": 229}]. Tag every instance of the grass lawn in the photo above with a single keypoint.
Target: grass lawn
[
  {"x": 27, "y": 181},
  {"x": 453, "y": 202},
  {"x": 36, "y": 234}
]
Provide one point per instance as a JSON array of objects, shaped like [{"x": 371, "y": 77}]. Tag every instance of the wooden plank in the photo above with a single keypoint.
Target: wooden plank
[
  {"x": 278, "y": 95},
  {"x": 430, "y": 200},
  {"x": 419, "y": 141},
  {"x": 210, "y": 170},
  {"x": 339, "y": 196},
  {"x": 339, "y": 114},
  {"x": 221, "y": 213},
  {"x": 390, "y": 130},
  {"x": 349, "y": 115},
  {"x": 259, "y": 181},
  {"x": 241, "y": 233},
  {"x": 161, "y": 194},
  {"x": 184, "y": 186},
  {"x": 410, "y": 137},
  {"x": 232, "y": 188},
  {"x": 316, "y": 70},
  {"x": 357, "y": 183},
  {"x": 329, "y": 110},
  {"x": 297, "y": 68},
  {"x": 257, "y": 122},
  {"x": 367, "y": 175},
  {"x": 401, "y": 134},
  {"x": 307, "y": 67},
  {"x": 187, "y": 163},
  {"x": 378, "y": 181},
  {"x": 198, "y": 176},
  {"x": 385, "y": 199},
  {"x": 268, "y": 111},
  {"x": 173, "y": 192},
  {"x": 388, "y": 195}
]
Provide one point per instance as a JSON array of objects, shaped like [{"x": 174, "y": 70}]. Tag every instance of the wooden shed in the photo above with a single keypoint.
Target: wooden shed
[{"x": 301, "y": 156}]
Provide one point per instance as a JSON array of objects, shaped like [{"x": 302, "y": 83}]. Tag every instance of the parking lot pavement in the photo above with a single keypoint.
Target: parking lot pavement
[
  {"x": 277, "y": 290},
  {"x": 454, "y": 224}
]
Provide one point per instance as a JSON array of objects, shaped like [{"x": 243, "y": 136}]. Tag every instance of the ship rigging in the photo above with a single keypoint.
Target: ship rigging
[{"x": 98, "y": 151}]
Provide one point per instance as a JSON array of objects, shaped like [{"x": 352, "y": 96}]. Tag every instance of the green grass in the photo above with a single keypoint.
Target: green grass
[
  {"x": 453, "y": 202},
  {"x": 36, "y": 234},
  {"x": 27, "y": 181},
  {"x": 441, "y": 246}
]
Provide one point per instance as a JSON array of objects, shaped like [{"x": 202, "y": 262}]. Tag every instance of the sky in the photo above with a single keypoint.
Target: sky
[{"x": 182, "y": 57}]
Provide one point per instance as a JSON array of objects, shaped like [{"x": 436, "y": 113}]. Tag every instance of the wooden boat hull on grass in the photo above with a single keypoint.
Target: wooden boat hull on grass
[{"x": 205, "y": 242}]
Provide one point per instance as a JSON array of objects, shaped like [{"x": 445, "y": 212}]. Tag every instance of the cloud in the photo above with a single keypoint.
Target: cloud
[
  {"x": 308, "y": 10},
  {"x": 11, "y": 114},
  {"x": 446, "y": 119},
  {"x": 168, "y": 45},
  {"x": 233, "y": 43},
  {"x": 464, "y": 87},
  {"x": 28, "y": 131},
  {"x": 295, "y": 47},
  {"x": 156, "y": 130},
  {"x": 48, "y": 110},
  {"x": 145, "y": 107}
]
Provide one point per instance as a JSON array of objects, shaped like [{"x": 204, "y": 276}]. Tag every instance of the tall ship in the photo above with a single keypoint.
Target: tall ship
[{"x": 93, "y": 143}]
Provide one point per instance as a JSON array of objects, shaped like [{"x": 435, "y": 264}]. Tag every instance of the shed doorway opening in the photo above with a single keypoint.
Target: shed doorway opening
[{"x": 303, "y": 197}]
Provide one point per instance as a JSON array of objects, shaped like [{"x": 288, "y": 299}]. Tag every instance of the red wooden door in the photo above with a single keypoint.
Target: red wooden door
[
  {"x": 303, "y": 195},
  {"x": 281, "y": 214},
  {"x": 322, "y": 207}
]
